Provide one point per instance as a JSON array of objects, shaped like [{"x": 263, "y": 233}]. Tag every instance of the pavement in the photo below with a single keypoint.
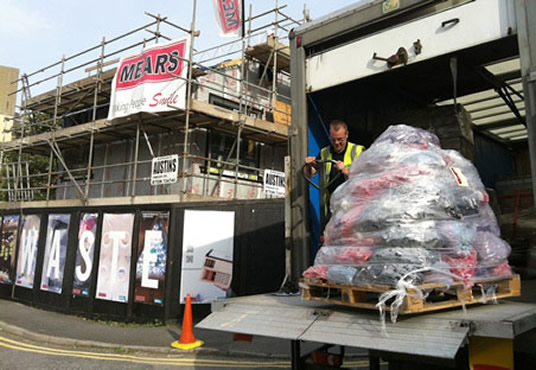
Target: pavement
[{"x": 48, "y": 327}]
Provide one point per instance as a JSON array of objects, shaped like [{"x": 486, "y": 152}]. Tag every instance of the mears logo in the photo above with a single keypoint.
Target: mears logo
[
  {"x": 156, "y": 64},
  {"x": 151, "y": 81},
  {"x": 229, "y": 14}
]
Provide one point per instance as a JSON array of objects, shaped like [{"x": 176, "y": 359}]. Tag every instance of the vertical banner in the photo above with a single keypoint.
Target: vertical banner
[
  {"x": 115, "y": 252},
  {"x": 55, "y": 252},
  {"x": 152, "y": 253},
  {"x": 10, "y": 225},
  {"x": 87, "y": 232},
  {"x": 27, "y": 250},
  {"x": 229, "y": 17},
  {"x": 207, "y": 257},
  {"x": 151, "y": 81}
]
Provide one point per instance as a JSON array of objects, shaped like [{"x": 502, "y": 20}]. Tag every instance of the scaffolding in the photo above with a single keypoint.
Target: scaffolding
[{"x": 66, "y": 126}]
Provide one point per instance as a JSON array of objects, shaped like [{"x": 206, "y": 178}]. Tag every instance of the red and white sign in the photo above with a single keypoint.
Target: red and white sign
[
  {"x": 229, "y": 17},
  {"x": 149, "y": 82}
]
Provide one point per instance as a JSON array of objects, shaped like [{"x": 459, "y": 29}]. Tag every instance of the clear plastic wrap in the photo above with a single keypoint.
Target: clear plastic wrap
[{"x": 411, "y": 211}]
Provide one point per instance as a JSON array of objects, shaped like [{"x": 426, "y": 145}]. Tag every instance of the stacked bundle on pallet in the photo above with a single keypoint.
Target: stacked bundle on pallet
[{"x": 411, "y": 213}]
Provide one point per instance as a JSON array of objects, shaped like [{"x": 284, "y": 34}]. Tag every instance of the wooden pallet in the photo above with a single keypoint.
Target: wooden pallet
[{"x": 440, "y": 296}]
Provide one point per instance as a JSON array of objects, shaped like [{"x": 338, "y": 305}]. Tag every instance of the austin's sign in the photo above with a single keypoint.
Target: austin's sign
[{"x": 164, "y": 170}]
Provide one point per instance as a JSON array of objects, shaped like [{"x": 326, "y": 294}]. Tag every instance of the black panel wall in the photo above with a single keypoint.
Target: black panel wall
[{"x": 258, "y": 262}]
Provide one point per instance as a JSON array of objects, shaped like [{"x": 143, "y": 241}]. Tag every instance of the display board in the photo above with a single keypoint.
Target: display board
[
  {"x": 27, "y": 256},
  {"x": 115, "y": 253},
  {"x": 152, "y": 257},
  {"x": 55, "y": 252},
  {"x": 10, "y": 225},
  {"x": 87, "y": 233},
  {"x": 207, "y": 255}
]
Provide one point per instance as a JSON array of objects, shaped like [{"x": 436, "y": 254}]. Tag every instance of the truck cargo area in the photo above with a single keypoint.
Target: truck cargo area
[{"x": 458, "y": 69}]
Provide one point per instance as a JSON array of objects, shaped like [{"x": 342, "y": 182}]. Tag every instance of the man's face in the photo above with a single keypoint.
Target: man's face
[{"x": 338, "y": 139}]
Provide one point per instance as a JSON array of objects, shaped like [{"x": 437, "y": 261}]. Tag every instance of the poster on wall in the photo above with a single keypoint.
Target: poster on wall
[
  {"x": 274, "y": 183},
  {"x": 164, "y": 170},
  {"x": 55, "y": 252},
  {"x": 29, "y": 237},
  {"x": 114, "y": 261},
  {"x": 10, "y": 225},
  {"x": 152, "y": 253},
  {"x": 85, "y": 251},
  {"x": 207, "y": 257}
]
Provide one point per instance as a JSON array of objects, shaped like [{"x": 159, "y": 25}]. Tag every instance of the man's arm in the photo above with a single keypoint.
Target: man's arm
[
  {"x": 309, "y": 169},
  {"x": 341, "y": 167}
]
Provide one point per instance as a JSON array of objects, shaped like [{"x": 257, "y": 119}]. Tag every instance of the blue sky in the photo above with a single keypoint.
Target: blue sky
[{"x": 36, "y": 33}]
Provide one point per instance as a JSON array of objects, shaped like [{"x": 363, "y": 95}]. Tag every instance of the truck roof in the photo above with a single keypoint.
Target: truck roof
[
  {"x": 365, "y": 14},
  {"x": 333, "y": 16}
]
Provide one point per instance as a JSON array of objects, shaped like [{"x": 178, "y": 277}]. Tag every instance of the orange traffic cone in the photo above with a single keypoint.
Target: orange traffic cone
[{"x": 187, "y": 340}]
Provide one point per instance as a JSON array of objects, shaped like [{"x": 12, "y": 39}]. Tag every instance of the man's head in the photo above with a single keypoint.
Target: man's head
[{"x": 338, "y": 133}]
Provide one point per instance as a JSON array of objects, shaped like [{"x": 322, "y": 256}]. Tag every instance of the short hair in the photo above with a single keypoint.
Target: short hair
[{"x": 337, "y": 125}]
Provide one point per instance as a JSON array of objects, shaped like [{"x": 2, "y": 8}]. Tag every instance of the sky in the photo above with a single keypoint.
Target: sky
[{"x": 36, "y": 33}]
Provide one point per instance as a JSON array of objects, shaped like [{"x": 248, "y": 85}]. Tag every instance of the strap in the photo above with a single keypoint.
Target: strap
[
  {"x": 354, "y": 149},
  {"x": 324, "y": 153}
]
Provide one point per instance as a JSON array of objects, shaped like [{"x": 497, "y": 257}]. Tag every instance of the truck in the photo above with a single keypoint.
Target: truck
[{"x": 469, "y": 66}]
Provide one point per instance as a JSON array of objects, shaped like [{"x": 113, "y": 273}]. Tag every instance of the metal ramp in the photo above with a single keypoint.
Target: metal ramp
[{"x": 293, "y": 319}]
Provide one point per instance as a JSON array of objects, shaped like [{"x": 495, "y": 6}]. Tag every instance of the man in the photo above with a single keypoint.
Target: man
[{"x": 342, "y": 152}]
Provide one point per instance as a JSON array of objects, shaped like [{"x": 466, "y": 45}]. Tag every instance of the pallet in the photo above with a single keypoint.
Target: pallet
[{"x": 440, "y": 296}]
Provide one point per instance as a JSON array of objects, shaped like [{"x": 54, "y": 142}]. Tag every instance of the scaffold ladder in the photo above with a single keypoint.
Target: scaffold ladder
[{"x": 18, "y": 181}]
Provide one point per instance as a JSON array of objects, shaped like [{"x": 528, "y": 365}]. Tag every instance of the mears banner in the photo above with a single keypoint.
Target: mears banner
[
  {"x": 84, "y": 254},
  {"x": 229, "y": 17},
  {"x": 148, "y": 82},
  {"x": 55, "y": 252}
]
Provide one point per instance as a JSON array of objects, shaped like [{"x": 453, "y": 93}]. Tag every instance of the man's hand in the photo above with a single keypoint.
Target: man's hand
[
  {"x": 340, "y": 166},
  {"x": 309, "y": 170}
]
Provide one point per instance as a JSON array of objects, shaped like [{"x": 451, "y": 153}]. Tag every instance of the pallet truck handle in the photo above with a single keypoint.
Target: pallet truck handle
[{"x": 321, "y": 162}]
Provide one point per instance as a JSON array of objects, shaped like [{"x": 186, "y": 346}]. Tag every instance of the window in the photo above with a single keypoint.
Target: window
[
  {"x": 77, "y": 162},
  {"x": 222, "y": 148},
  {"x": 232, "y": 105}
]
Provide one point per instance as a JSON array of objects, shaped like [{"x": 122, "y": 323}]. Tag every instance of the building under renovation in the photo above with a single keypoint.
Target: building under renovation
[
  {"x": 235, "y": 127},
  {"x": 81, "y": 167}
]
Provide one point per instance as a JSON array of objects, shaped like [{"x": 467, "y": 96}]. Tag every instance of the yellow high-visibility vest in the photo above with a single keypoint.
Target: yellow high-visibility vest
[{"x": 352, "y": 152}]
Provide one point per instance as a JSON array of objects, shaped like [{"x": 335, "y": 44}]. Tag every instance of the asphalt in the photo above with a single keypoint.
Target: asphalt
[{"x": 49, "y": 327}]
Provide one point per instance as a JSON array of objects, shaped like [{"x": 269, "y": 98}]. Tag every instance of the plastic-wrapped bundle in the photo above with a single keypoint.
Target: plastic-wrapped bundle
[
  {"x": 492, "y": 253},
  {"x": 411, "y": 210}
]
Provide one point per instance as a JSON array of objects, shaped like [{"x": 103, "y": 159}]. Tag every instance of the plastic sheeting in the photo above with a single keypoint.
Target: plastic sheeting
[{"x": 411, "y": 211}]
